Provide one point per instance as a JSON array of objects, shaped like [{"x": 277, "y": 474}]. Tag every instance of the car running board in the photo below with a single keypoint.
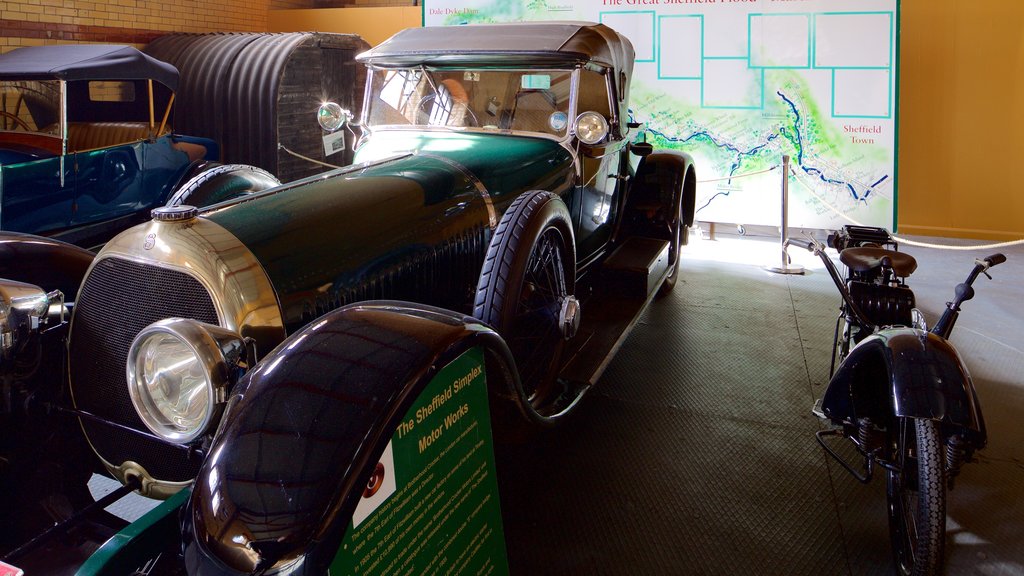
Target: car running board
[{"x": 611, "y": 304}]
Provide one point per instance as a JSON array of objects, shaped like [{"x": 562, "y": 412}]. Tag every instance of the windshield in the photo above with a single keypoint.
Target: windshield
[
  {"x": 520, "y": 100},
  {"x": 30, "y": 106}
]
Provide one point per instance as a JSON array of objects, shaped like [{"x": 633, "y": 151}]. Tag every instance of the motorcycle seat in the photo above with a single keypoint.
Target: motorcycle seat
[{"x": 867, "y": 258}]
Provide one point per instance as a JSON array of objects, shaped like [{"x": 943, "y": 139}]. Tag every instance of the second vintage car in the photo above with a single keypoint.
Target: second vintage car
[
  {"x": 494, "y": 178},
  {"x": 86, "y": 149}
]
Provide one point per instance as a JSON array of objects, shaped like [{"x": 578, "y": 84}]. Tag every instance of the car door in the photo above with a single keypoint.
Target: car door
[
  {"x": 600, "y": 180},
  {"x": 108, "y": 182},
  {"x": 33, "y": 198}
]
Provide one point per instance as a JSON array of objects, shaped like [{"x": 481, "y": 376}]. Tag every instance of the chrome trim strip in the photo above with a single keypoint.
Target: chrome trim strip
[
  {"x": 63, "y": 127},
  {"x": 472, "y": 130},
  {"x": 492, "y": 216},
  {"x": 242, "y": 294}
]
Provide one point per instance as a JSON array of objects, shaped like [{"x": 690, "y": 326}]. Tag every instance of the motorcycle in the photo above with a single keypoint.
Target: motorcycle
[{"x": 898, "y": 391}]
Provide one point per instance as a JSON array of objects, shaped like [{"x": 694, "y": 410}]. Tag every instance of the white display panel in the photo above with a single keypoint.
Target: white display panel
[{"x": 739, "y": 83}]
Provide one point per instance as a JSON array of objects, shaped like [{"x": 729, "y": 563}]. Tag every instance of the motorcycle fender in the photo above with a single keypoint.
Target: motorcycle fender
[
  {"x": 907, "y": 372},
  {"x": 304, "y": 430}
]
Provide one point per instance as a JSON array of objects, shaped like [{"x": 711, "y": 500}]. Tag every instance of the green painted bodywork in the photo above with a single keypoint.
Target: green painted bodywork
[
  {"x": 501, "y": 161},
  {"x": 127, "y": 550},
  {"x": 415, "y": 227}
]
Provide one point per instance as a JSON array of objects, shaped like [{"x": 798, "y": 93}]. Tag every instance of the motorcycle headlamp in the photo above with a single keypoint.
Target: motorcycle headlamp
[
  {"x": 591, "y": 128},
  {"x": 179, "y": 373}
]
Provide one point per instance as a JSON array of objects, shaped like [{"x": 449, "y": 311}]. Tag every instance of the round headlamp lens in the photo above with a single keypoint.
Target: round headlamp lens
[
  {"x": 331, "y": 116},
  {"x": 169, "y": 386},
  {"x": 591, "y": 127}
]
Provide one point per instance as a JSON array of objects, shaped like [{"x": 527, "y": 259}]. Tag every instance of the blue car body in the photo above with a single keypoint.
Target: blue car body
[{"x": 84, "y": 153}]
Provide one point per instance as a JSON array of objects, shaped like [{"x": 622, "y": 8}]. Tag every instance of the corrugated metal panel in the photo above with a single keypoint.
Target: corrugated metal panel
[{"x": 250, "y": 91}]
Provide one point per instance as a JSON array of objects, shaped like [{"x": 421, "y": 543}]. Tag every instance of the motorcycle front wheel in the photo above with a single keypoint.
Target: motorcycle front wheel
[{"x": 916, "y": 494}]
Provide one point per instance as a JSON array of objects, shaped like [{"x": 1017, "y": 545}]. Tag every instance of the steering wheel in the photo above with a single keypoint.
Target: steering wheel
[
  {"x": 469, "y": 119},
  {"x": 17, "y": 121}
]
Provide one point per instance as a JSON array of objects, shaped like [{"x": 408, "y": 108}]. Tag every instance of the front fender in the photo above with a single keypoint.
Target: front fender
[
  {"x": 305, "y": 429},
  {"x": 44, "y": 262},
  {"x": 907, "y": 372}
]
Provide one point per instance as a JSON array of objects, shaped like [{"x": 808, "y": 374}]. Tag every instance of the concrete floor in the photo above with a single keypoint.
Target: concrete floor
[{"x": 695, "y": 454}]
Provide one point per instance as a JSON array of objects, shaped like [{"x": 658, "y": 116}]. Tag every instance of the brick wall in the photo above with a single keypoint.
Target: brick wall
[
  {"x": 35, "y": 22},
  {"x": 363, "y": 3}
]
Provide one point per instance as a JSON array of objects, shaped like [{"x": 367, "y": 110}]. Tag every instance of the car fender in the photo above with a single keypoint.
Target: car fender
[
  {"x": 331, "y": 397},
  {"x": 904, "y": 372},
  {"x": 47, "y": 263},
  {"x": 661, "y": 174}
]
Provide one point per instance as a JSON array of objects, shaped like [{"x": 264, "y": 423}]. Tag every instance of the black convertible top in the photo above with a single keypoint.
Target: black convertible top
[
  {"x": 534, "y": 43},
  {"x": 85, "y": 62}
]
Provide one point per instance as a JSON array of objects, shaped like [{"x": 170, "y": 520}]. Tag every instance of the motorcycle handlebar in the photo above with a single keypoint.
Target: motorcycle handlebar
[
  {"x": 818, "y": 249},
  {"x": 806, "y": 245},
  {"x": 994, "y": 260},
  {"x": 964, "y": 292}
]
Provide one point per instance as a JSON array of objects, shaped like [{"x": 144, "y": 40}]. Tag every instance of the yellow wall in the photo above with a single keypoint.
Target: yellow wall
[
  {"x": 962, "y": 119},
  {"x": 37, "y": 22},
  {"x": 374, "y": 24}
]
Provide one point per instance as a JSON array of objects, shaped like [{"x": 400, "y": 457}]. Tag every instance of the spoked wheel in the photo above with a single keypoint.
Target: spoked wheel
[
  {"x": 525, "y": 292},
  {"x": 12, "y": 122},
  {"x": 916, "y": 497}
]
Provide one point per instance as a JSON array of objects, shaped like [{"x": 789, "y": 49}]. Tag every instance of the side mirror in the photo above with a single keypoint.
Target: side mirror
[{"x": 332, "y": 117}]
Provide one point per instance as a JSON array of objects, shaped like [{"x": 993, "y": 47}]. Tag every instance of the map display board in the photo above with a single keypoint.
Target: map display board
[
  {"x": 432, "y": 506},
  {"x": 740, "y": 83}
]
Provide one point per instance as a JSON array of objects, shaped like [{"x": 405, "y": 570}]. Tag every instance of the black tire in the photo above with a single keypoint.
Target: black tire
[
  {"x": 916, "y": 497},
  {"x": 530, "y": 268},
  {"x": 675, "y": 245},
  {"x": 220, "y": 183}
]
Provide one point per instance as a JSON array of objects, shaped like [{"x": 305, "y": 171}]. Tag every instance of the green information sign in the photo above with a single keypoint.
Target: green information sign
[{"x": 432, "y": 505}]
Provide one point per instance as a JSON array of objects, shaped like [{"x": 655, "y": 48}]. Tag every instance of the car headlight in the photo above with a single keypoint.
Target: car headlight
[
  {"x": 24, "y": 308},
  {"x": 332, "y": 116},
  {"x": 591, "y": 127},
  {"x": 179, "y": 372}
]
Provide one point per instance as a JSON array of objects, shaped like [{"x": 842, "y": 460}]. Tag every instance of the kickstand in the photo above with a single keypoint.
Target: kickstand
[{"x": 869, "y": 459}]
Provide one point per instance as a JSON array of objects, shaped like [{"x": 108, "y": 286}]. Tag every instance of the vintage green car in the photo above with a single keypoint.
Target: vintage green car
[{"x": 250, "y": 360}]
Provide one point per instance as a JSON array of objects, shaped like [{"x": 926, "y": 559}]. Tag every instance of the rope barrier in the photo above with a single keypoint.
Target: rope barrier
[
  {"x": 901, "y": 238},
  {"x": 300, "y": 156},
  {"x": 737, "y": 177}
]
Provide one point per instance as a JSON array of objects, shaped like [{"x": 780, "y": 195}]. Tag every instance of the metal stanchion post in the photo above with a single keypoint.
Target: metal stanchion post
[{"x": 786, "y": 267}]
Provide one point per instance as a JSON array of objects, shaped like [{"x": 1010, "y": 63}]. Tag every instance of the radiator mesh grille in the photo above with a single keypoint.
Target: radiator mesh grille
[{"x": 119, "y": 299}]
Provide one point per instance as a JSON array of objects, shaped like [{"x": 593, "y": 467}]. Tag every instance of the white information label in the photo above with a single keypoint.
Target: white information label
[{"x": 334, "y": 142}]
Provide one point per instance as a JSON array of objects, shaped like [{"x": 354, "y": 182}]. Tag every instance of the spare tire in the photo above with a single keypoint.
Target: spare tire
[{"x": 221, "y": 183}]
